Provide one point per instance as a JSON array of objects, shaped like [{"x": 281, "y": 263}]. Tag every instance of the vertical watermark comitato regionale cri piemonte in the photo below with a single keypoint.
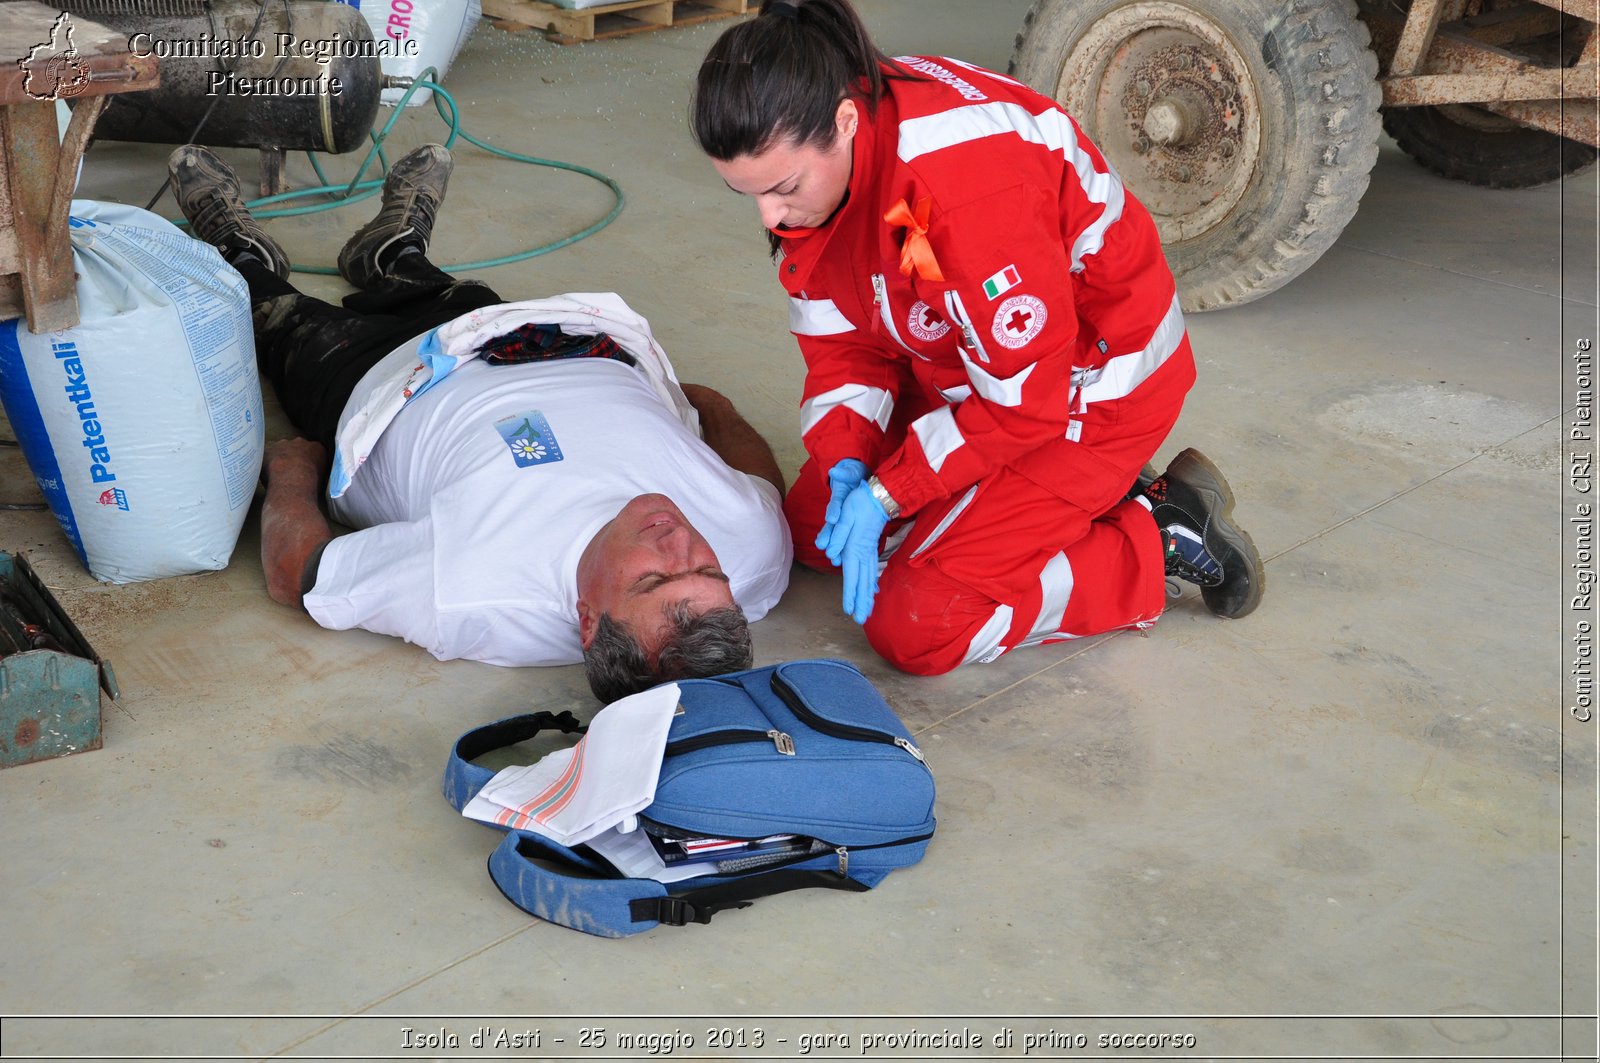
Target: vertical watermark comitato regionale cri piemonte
[
  {"x": 1581, "y": 502},
  {"x": 1580, "y": 757}
]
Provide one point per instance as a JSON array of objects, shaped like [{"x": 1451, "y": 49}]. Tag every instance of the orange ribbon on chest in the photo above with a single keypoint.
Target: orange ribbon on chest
[{"x": 916, "y": 253}]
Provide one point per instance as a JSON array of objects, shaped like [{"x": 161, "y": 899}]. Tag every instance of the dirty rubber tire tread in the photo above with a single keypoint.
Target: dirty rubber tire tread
[
  {"x": 1316, "y": 159},
  {"x": 1516, "y": 158}
]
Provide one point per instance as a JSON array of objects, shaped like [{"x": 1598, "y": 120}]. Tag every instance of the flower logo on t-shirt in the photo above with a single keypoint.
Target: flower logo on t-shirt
[{"x": 529, "y": 438}]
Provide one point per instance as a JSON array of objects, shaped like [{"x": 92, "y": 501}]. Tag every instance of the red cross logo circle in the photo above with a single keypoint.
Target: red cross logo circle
[
  {"x": 926, "y": 323},
  {"x": 1018, "y": 320}
]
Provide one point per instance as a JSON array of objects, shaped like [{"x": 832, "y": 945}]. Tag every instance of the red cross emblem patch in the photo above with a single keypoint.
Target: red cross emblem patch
[
  {"x": 926, "y": 323},
  {"x": 1018, "y": 320}
]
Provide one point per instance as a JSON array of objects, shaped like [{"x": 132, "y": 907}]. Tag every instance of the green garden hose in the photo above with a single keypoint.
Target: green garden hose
[{"x": 356, "y": 189}]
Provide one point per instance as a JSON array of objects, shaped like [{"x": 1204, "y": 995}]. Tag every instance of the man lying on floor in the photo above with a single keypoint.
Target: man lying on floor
[{"x": 557, "y": 496}]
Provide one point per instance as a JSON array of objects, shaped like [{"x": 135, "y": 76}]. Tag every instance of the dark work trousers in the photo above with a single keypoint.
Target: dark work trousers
[{"x": 314, "y": 352}]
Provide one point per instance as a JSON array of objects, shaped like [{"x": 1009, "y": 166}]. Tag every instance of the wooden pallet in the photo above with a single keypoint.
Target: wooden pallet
[{"x": 565, "y": 26}]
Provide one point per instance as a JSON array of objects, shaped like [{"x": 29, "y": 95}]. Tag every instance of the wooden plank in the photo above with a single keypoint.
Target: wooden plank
[
  {"x": 1591, "y": 47},
  {"x": 656, "y": 14},
  {"x": 94, "y": 61},
  {"x": 1507, "y": 26},
  {"x": 57, "y": 55},
  {"x": 566, "y": 26},
  {"x": 509, "y": 14},
  {"x": 10, "y": 250},
  {"x": 1421, "y": 24},
  {"x": 1576, "y": 123},
  {"x": 29, "y": 151},
  {"x": 11, "y": 304},
  {"x": 1588, "y": 10},
  {"x": 693, "y": 14},
  {"x": 564, "y": 23},
  {"x": 1459, "y": 69},
  {"x": 1573, "y": 83}
]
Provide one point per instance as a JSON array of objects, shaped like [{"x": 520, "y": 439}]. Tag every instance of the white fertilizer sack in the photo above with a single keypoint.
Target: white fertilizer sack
[
  {"x": 143, "y": 424},
  {"x": 423, "y": 33}
]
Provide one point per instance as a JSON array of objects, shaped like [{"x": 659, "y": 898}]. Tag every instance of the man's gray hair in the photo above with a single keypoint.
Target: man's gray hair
[{"x": 710, "y": 643}]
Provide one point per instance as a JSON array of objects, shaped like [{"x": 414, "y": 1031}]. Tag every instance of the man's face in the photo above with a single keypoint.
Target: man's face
[
  {"x": 647, "y": 558},
  {"x": 796, "y": 186}
]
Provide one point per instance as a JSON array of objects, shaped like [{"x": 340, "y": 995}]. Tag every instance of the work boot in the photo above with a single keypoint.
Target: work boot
[
  {"x": 1193, "y": 506},
  {"x": 207, "y": 191},
  {"x": 411, "y": 196},
  {"x": 1142, "y": 482}
]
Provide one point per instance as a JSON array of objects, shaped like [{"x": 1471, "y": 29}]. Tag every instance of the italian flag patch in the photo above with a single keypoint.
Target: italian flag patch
[{"x": 1002, "y": 282}]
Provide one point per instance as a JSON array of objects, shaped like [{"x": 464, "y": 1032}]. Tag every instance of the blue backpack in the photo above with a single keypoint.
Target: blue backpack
[{"x": 808, "y": 749}]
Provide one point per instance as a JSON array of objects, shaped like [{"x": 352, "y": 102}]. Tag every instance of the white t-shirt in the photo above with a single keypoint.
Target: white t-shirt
[{"x": 482, "y": 493}]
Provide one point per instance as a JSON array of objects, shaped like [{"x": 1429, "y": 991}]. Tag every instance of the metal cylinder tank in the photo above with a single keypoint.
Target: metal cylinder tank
[{"x": 306, "y": 76}]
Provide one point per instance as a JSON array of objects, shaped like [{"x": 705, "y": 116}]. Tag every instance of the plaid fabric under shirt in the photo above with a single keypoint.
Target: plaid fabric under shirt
[{"x": 539, "y": 343}]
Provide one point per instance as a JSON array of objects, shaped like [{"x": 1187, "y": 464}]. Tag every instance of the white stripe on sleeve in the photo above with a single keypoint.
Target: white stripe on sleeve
[
  {"x": 983, "y": 71},
  {"x": 939, "y": 436},
  {"x": 1005, "y": 391},
  {"x": 1122, "y": 375},
  {"x": 949, "y": 519},
  {"x": 875, "y": 404},
  {"x": 985, "y": 645},
  {"x": 1052, "y": 129},
  {"x": 1055, "y": 583},
  {"x": 817, "y": 317}
]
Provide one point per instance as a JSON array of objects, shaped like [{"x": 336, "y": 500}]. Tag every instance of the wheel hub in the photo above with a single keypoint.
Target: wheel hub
[
  {"x": 1170, "y": 101},
  {"x": 1171, "y": 123}
]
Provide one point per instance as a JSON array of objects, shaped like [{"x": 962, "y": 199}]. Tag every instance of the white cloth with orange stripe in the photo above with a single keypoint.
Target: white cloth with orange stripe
[{"x": 572, "y": 795}]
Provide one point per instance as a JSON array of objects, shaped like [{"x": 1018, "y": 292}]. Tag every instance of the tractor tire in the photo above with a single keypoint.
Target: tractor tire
[
  {"x": 1466, "y": 143},
  {"x": 1247, "y": 128}
]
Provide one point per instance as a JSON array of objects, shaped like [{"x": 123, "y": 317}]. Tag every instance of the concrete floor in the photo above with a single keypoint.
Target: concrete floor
[{"x": 1336, "y": 829}]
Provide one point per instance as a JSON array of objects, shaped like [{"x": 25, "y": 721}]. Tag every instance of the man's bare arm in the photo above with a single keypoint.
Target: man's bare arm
[
  {"x": 731, "y": 436},
  {"x": 293, "y": 529}
]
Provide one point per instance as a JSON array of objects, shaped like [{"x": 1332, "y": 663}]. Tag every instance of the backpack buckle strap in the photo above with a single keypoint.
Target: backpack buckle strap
[{"x": 677, "y": 911}]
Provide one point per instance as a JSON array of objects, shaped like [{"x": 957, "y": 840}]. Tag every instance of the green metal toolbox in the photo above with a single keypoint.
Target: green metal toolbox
[{"x": 50, "y": 677}]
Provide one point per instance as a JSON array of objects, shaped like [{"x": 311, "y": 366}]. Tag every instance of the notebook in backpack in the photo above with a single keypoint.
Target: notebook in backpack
[{"x": 806, "y": 750}]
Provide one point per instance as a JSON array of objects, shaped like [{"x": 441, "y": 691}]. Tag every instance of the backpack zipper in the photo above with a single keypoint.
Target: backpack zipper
[
  {"x": 842, "y": 852},
  {"x": 836, "y": 729},
  {"x": 782, "y": 861},
  {"x": 782, "y": 742}
]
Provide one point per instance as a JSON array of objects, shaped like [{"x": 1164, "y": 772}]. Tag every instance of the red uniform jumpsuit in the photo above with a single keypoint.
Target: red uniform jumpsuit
[{"x": 1007, "y": 391}]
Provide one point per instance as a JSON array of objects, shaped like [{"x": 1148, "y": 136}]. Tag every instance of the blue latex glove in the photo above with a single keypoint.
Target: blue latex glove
[
  {"x": 843, "y": 478},
  {"x": 852, "y": 543}
]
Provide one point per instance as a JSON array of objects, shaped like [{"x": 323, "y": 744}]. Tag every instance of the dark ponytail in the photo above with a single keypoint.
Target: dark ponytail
[{"x": 784, "y": 74}]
